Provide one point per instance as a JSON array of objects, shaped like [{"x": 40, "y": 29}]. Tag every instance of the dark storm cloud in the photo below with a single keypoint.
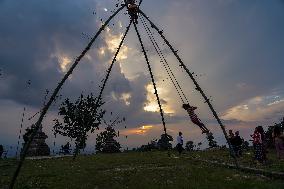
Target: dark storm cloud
[
  {"x": 30, "y": 33},
  {"x": 36, "y": 32}
]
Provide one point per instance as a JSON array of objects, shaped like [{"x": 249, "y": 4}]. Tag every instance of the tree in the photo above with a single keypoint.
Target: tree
[
  {"x": 28, "y": 133},
  {"x": 152, "y": 145},
  {"x": 189, "y": 146},
  {"x": 79, "y": 118},
  {"x": 211, "y": 140},
  {"x": 106, "y": 143},
  {"x": 164, "y": 142}
]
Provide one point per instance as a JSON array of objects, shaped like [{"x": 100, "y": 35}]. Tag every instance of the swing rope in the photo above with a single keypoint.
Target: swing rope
[
  {"x": 165, "y": 63},
  {"x": 112, "y": 63},
  {"x": 169, "y": 70},
  {"x": 152, "y": 78}
]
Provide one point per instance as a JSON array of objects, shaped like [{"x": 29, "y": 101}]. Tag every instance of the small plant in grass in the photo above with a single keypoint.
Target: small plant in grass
[
  {"x": 79, "y": 118},
  {"x": 189, "y": 146},
  {"x": 199, "y": 145}
]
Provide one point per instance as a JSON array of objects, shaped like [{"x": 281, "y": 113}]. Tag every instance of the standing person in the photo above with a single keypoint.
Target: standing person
[
  {"x": 179, "y": 143},
  {"x": 264, "y": 143},
  {"x": 1, "y": 150},
  {"x": 238, "y": 142},
  {"x": 258, "y": 145},
  {"x": 231, "y": 134},
  {"x": 231, "y": 140},
  {"x": 278, "y": 138}
]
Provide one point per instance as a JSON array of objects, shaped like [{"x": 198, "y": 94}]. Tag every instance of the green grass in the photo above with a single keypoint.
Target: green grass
[
  {"x": 131, "y": 170},
  {"x": 222, "y": 155}
]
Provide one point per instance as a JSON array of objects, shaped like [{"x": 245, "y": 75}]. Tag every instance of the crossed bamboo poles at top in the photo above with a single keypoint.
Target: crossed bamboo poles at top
[{"x": 79, "y": 58}]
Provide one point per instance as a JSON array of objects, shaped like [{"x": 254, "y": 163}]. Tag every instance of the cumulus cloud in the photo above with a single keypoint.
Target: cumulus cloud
[{"x": 255, "y": 109}]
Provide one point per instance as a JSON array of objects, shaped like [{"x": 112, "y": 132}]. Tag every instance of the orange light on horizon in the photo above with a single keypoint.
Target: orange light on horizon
[{"x": 138, "y": 131}]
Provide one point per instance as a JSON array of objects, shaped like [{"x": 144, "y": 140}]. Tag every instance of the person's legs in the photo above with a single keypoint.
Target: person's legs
[
  {"x": 234, "y": 149},
  {"x": 259, "y": 152},
  {"x": 179, "y": 148},
  {"x": 203, "y": 128},
  {"x": 201, "y": 125},
  {"x": 278, "y": 150},
  {"x": 240, "y": 151}
]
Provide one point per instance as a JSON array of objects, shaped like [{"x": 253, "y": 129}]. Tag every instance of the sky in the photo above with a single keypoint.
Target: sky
[{"x": 234, "y": 47}]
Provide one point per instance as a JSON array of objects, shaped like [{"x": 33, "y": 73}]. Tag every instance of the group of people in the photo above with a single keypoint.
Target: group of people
[
  {"x": 236, "y": 142},
  {"x": 65, "y": 149},
  {"x": 259, "y": 143}
]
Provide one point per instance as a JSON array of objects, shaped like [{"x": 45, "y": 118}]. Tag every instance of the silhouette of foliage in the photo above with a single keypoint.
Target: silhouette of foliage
[
  {"x": 28, "y": 133},
  {"x": 152, "y": 145},
  {"x": 189, "y": 146},
  {"x": 106, "y": 143},
  {"x": 79, "y": 118},
  {"x": 211, "y": 140},
  {"x": 164, "y": 142}
]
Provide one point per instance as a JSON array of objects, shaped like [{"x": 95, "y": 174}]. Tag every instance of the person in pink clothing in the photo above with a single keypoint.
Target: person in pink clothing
[{"x": 194, "y": 118}]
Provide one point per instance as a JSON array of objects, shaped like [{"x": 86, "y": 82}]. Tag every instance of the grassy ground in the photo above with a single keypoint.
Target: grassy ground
[
  {"x": 272, "y": 163},
  {"x": 132, "y": 170}
]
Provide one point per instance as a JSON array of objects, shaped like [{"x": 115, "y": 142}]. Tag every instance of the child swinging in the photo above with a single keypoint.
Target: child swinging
[{"x": 194, "y": 118}]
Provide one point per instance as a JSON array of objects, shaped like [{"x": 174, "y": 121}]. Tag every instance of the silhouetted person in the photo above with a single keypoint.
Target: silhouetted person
[
  {"x": 264, "y": 144},
  {"x": 237, "y": 144},
  {"x": 231, "y": 134},
  {"x": 179, "y": 142},
  {"x": 66, "y": 148},
  {"x": 231, "y": 138},
  {"x": 258, "y": 143},
  {"x": 194, "y": 118},
  {"x": 1, "y": 150},
  {"x": 278, "y": 138}
]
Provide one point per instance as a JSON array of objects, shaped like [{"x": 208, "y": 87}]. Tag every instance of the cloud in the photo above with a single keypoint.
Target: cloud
[
  {"x": 234, "y": 47},
  {"x": 138, "y": 131},
  {"x": 255, "y": 109}
]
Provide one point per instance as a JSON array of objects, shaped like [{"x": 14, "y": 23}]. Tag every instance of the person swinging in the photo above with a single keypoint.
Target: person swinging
[{"x": 194, "y": 118}]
